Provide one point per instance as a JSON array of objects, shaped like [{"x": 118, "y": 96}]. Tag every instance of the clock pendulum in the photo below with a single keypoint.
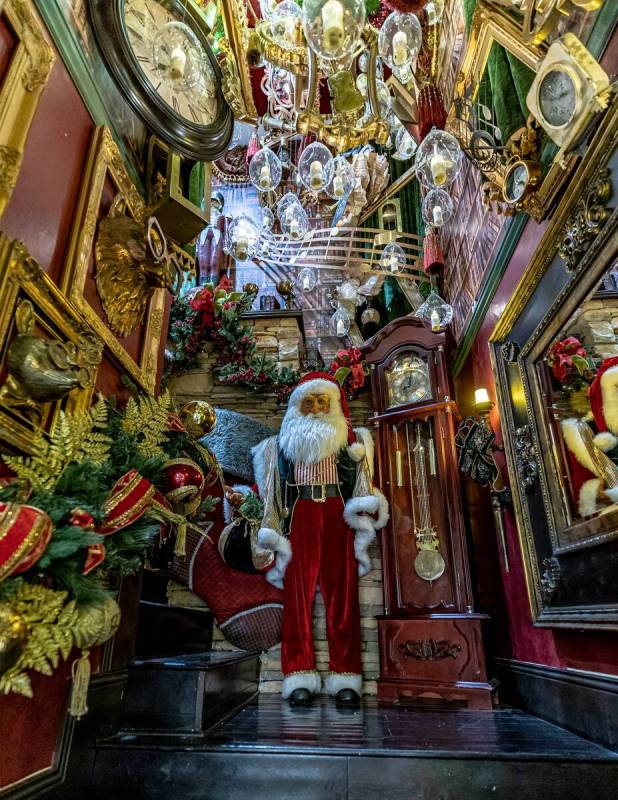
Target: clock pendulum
[
  {"x": 398, "y": 459},
  {"x": 428, "y": 564}
]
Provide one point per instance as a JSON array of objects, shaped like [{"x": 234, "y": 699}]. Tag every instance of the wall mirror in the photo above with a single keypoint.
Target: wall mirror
[{"x": 555, "y": 355}]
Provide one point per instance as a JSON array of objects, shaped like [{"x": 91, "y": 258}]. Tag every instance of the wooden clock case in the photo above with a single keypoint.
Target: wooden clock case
[{"x": 430, "y": 639}]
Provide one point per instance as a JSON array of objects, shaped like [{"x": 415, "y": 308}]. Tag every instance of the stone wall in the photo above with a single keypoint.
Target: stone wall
[
  {"x": 282, "y": 339},
  {"x": 596, "y": 323}
]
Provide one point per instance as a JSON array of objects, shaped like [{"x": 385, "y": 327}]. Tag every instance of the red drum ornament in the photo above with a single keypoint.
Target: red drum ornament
[
  {"x": 25, "y": 532},
  {"x": 433, "y": 258},
  {"x": 431, "y": 111},
  {"x": 183, "y": 485}
]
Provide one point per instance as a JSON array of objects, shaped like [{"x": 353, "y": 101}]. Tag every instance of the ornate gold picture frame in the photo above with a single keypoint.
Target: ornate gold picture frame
[
  {"x": 20, "y": 89},
  {"x": 58, "y": 347},
  {"x": 105, "y": 170}
]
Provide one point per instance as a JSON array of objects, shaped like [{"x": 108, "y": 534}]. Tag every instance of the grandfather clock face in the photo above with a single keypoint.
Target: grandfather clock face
[{"x": 408, "y": 380}]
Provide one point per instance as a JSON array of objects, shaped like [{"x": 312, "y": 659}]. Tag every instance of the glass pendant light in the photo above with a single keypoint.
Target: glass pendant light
[
  {"x": 393, "y": 258},
  {"x": 307, "y": 279},
  {"x": 438, "y": 158},
  {"x": 333, "y": 27},
  {"x": 434, "y": 11},
  {"x": 288, "y": 199},
  {"x": 399, "y": 42},
  {"x": 313, "y": 166},
  {"x": 265, "y": 170},
  {"x": 339, "y": 324},
  {"x": 437, "y": 208},
  {"x": 268, "y": 219},
  {"x": 285, "y": 23},
  {"x": 435, "y": 313},
  {"x": 340, "y": 178},
  {"x": 178, "y": 56},
  {"x": 242, "y": 238}
]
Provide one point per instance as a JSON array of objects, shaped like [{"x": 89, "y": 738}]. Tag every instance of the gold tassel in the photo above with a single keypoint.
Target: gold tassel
[
  {"x": 180, "y": 548},
  {"x": 78, "y": 705}
]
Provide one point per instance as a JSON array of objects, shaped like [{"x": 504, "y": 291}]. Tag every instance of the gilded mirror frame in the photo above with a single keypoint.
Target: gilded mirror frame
[
  {"x": 21, "y": 89},
  {"x": 105, "y": 161},
  {"x": 579, "y": 245},
  {"x": 21, "y": 278}
]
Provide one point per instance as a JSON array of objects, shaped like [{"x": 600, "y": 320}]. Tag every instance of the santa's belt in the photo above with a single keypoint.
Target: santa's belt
[{"x": 318, "y": 491}]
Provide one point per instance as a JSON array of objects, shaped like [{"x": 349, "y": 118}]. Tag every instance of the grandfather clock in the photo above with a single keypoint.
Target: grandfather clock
[{"x": 431, "y": 647}]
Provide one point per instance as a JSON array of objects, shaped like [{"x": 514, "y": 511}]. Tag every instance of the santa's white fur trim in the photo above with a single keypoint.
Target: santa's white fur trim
[
  {"x": 356, "y": 507},
  {"x": 588, "y": 497},
  {"x": 357, "y": 451},
  {"x": 300, "y": 680},
  {"x": 336, "y": 681},
  {"x": 609, "y": 394},
  {"x": 363, "y": 537},
  {"x": 605, "y": 441},
  {"x": 575, "y": 444},
  {"x": 315, "y": 386},
  {"x": 365, "y": 436},
  {"x": 383, "y": 510},
  {"x": 269, "y": 539}
]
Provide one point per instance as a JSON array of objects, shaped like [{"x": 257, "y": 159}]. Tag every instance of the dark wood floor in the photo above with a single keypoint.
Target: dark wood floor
[{"x": 269, "y": 751}]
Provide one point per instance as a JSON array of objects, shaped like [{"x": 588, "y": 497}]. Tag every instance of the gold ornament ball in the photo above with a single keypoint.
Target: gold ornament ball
[
  {"x": 13, "y": 637},
  {"x": 96, "y": 623},
  {"x": 198, "y": 417},
  {"x": 285, "y": 288},
  {"x": 251, "y": 288}
]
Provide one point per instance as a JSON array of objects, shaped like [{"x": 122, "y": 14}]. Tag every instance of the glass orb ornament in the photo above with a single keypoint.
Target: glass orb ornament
[
  {"x": 348, "y": 293},
  {"x": 405, "y": 146},
  {"x": 333, "y": 27},
  {"x": 178, "y": 56},
  {"x": 370, "y": 316},
  {"x": 437, "y": 208},
  {"x": 435, "y": 313},
  {"x": 294, "y": 221},
  {"x": 313, "y": 166},
  {"x": 384, "y": 97},
  {"x": 265, "y": 170},
  {"x": 393, "y": 258},
  {"x": 438, "y": 159},
  {"x": 285, "y": 25},
  {"x": 339, "y": 323},
  {"x": 242, "y": 238},
  {"x": 361, "y": 83},
  {"x": 307, "y": 279},
  {"x": 433, "y": 11},
  {"x": 400, "y": 39},
  {"x": 268, "y": 219},
  {"x": 288, "y": 199},
  {"x": 340, "y": 178}
]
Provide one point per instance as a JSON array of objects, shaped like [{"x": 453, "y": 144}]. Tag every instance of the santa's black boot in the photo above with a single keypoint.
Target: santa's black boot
[
  {"x": 347, "y": 698},
  {"x": 301, "y": 697}
]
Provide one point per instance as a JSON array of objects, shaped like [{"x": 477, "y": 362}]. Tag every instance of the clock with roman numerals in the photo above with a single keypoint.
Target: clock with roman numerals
[{"x": 159, "y": 54}]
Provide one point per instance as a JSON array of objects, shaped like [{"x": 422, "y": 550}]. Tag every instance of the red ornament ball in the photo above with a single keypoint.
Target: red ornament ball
[{"x": 183, "y": 480}]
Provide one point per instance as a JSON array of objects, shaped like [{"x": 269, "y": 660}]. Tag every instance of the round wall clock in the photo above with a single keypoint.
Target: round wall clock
[
  {"x": 159, "y": 55},
  {"x": 558, "y": 96},
  {"x": 520, "y": 180}
]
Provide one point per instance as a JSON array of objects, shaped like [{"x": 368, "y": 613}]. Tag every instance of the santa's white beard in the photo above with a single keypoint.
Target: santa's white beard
[{"x": 312, "y": 437}]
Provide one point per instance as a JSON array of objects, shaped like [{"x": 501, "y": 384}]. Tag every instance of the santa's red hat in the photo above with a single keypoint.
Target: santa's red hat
[
  {"x": 323, "y": 383},
  {"x": 603, "y": 395}
]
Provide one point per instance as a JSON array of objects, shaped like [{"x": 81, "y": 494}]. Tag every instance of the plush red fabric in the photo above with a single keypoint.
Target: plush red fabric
[
  {"x": 322, "y": 551},
  {"x": 595, "y": 393}
]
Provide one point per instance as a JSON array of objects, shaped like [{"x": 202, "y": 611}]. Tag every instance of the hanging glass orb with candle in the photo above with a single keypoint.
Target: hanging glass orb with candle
[
  {"x": 340, "y": 178},
  {"x": 288, "y": 199},
  {"x": 438, "y": 159},
  {"x": 178, "y": 56},
  {"x": 399, "y": 42},
  {"x": 339, "y": 323},
  {"x": 437, "y": 208},
  {"x": 434, "y": 10},
  {"x": 313, "y": 166},
  {"x": 333, "y": 28},
  {"x": 265, "y": 170},
  {"x": 285, "y": 25},
  {"x": 435, "y": 313},
  {"x": 393, "y": 258},
  {"x": 241, "y": 238},
  {"x": 307, "y": 279},
  {"x": 294, "y": 221},
  {"x": 268, "y": 218}
]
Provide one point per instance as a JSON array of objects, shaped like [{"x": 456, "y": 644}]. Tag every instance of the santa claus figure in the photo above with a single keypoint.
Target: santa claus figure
[{"x": 321, "y": 514}]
